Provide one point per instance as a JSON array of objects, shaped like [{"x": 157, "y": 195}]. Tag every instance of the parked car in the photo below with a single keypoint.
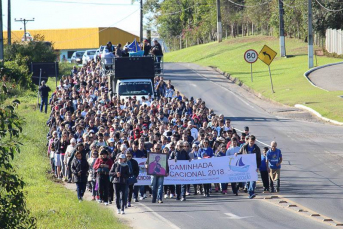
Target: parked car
[
  {"x": 76, "y": 58},
  {"x": 101, "y": 48},
  {"x": 87, "y": 56}
]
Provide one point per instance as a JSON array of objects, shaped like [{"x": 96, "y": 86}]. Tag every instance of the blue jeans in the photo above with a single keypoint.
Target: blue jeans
[
  {"x": 180, "y": 191},
  {"x": 157, "y": 187},
  {"x": 251, "y": 189},
  {"x": 44, "y": 100},
  {"x": 80, "y": 187}
]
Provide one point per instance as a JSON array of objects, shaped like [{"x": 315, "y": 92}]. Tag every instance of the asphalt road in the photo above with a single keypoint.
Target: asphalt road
[
  {"x": 311, "y": 171},
  {"x": 329, "y": 78}
]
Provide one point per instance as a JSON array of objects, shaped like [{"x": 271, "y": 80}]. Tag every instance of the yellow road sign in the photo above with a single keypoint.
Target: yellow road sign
[{"x": 267, "y": 55}]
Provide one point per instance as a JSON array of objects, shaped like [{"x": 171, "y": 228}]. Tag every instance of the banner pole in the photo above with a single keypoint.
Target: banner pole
[{"x": 271, "y": 81}]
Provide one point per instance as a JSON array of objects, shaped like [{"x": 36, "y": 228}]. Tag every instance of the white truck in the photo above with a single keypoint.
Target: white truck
[{"x": 132, "y": 76}]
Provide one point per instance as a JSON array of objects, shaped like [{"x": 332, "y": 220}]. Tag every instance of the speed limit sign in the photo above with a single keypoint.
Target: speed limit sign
[{"x": 250, "y": 56}]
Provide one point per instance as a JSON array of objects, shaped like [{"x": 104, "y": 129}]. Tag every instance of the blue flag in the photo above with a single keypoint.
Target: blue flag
[{"x": 134, "y": 47}]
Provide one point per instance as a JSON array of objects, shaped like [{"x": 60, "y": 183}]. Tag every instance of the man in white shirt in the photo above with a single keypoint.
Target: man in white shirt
[
  {"x": 234, "y": 148},
  {"x": 194, "y": 131}
]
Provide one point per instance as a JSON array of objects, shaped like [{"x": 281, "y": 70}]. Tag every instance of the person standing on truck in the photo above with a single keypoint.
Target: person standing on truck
[
  {"x": 146, "y": 47},
  {"x": 157, "y": 51},
  {"x": 110, "y": 47},
  {"x": 119, "y": 51}
]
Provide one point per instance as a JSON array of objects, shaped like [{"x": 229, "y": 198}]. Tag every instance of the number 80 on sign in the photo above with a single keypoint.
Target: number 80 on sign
[{"x": 250, "y": 56}]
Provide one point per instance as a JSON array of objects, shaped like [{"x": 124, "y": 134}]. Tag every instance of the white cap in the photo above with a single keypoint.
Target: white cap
[
  {"x": 73, "y": 140},
  {"x": 122, "y": 156}
]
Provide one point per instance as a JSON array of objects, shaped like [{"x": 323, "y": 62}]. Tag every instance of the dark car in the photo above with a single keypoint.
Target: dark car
[{"x": 76, "y": 58}]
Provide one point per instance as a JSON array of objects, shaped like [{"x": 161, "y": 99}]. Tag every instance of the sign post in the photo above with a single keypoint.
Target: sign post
[
  {"x": 267, "y": 56},
  {"x": 250, "y": 56}
]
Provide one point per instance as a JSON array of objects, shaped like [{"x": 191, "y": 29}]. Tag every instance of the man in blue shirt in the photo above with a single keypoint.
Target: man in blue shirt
[
  {"x": 252, "y": 148},
  {"x": 274, "y": 160}
]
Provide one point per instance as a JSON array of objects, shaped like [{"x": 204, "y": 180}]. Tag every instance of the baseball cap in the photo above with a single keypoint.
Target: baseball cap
[
  {"x": 122, "y": 156},
  {"x": 246, "y": 128}
]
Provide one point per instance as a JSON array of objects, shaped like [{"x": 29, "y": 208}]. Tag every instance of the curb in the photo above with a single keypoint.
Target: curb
[
  {"x": 317, "y": 114},
  {"x": 307, "y": 73},
  {"x": 239, "y": 83}
]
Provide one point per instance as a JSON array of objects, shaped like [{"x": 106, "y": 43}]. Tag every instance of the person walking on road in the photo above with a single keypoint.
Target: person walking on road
[
  {"x": 102, "y": 166},
  {"x": 79, "y": 168},
  {"x": 134, "y": 172},
  {"x": 180, "y": 154},
  {"x": 44, "y": 94},
  {"x": 156, "y": 180},
  {"x": 264, "y": 170},
  {"x": 252, "y": 148},
  {"x": 120, "y": 174},
  {"x": 274, "y": 160}
]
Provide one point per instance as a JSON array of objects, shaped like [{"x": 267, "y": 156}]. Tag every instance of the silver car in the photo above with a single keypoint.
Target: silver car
[{"x": 88, "y": 56}]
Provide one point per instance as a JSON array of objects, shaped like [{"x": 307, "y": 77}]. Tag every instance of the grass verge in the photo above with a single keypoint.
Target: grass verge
[
  {"x": 51, "y": 203},
  {"x": 290, "y": 85}
]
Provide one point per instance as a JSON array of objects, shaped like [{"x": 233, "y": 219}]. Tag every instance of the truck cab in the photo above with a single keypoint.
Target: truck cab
[
  {"x": 135, "y": 87},
  {"x": 132, "y": 76}
]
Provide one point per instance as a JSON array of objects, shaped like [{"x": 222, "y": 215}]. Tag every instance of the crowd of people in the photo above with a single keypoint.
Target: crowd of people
[{"x": 94, "y": 139}]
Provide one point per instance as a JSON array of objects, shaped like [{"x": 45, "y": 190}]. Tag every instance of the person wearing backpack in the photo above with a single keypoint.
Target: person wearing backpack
[
  {"x": 120, "y": 174},
  {"x": 274, "y": 160},
  {"x": 134, "y": 172}
]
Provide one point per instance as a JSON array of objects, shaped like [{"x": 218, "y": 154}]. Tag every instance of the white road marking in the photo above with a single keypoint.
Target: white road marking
[
  {"x": 167, "y": 222},
  {"x": 245, "y": 102},
  {"x": 233, "y": 216},
  {"x": 256, "y": 139}
]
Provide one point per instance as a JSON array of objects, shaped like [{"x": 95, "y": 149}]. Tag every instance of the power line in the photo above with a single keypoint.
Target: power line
[
  {"x": 172, "y": 13},
  {"x": 331, "y": 10},
  {"x": 83, "y": 3},
  {"x": 260, "y": 4},
  {"x": 99, "y": 30},
  {"x": 24, "y": 21}
]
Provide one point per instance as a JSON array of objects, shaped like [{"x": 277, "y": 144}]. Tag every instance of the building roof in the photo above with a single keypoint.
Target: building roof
[{"x": 78, "y": 38}]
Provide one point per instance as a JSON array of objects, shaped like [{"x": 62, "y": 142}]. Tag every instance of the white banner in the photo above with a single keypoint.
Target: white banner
[{"x": 204, "y": 171}]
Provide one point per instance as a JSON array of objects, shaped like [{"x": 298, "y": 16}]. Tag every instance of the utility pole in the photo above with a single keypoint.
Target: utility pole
[
  {"x": 25, "y": 21},
  {"x": 9, "y": 29},
  {"x": 141, "y": 22},
  {"x": 310, "y": 35},
  {"x": 1, "y": 35},
  {"x": 282, "y": 30},
  {"x": 219, "y": 23}
]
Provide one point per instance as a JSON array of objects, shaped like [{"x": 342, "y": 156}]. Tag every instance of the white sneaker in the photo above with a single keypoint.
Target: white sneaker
[
  {"x": 171, "y": 195},
  {"x": 118, "y": 211},
  {"x": 144, "y": 196},
  {"x": 122, "y": 212},
  {"x": 166, "y": 196},
  {"x": 141, "y": 198},
  {"x": 106, "y": 203}
]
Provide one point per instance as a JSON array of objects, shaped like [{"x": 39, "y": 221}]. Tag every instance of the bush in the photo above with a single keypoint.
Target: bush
[
  {"x": 13, "y": 211},
  {"x": 16, "y": 72},
  {"x": 35, "y": 51}
]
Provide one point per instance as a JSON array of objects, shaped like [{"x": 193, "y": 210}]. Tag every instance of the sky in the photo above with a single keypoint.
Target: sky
[{"x": 58, "y": 14}]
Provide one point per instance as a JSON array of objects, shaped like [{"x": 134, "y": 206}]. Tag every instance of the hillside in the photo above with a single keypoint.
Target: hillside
[{"x": 290, "y": 85}]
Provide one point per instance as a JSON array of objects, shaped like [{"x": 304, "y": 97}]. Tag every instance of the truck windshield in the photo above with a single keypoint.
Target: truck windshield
[{"x": 135, "y": 88}]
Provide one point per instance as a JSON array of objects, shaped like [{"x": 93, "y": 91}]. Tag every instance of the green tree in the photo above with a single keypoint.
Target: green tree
[{"x": 13, "y": 211}]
